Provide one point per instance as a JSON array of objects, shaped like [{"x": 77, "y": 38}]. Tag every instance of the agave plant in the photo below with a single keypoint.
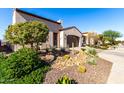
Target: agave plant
[
  {"x": 65, "y": 80},
  {"x": 90, "y": 51},
  {"x": 92, "y": 55}
]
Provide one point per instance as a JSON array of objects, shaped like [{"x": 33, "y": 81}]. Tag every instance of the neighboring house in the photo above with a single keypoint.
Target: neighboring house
[
  {"x": 58, "y": 36},
  {"x": 90, "y": 38},
  {"x": 70, "y": 37}
]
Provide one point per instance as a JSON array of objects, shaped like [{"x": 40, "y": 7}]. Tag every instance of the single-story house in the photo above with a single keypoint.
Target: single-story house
[
  {"x": 89, "y": 38},
  {"x": 58, "y": 35}
]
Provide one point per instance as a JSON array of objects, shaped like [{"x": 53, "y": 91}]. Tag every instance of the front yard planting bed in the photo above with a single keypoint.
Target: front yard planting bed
[{"x": 95, "y": 74}]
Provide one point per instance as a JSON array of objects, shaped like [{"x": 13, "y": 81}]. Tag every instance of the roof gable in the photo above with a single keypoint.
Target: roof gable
[
  {"x": 40, "y": 17},
  {"x": 72, "y": 27}
]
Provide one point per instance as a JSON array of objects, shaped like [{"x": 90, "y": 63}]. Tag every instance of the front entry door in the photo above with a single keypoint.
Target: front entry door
[{"x": 55, "y": 39}]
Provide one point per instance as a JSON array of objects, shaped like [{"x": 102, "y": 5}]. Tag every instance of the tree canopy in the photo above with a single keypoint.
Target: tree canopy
[
  {"x": 111, "y": 35},
  {"x": 27, "y": 33}
]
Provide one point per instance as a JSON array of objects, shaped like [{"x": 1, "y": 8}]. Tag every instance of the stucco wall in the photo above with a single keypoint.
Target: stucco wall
[
  {"x": 86, "y": 38},
  {"x": 72, "y": 31},
  {"x": 65, "y": 33},
  {"x": 53, "y": 27},
  {"x": 62, "y": 39},
  {"x": 21, "y": 17},
  {"x": 91, "y": 37}
]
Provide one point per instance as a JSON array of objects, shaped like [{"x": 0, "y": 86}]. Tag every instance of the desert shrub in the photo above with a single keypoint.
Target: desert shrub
[
  {"x": 91, "y": 55},
  {"x": 90, "y": 51},
  {"x": 23, "y": 66},
  {"x": 23, "y": 61},
  {"x": 65, "y": 80},
  {"x": 104, "y": 47},
  {"x": 66, "y": 57},
  {"x": 117, "y": 42},
  {"x": 92, "y": 61},
  {"x": 35, "y": 77},
  {"x": 2, "y": 57},
  {"x": 81, "y": 68}
]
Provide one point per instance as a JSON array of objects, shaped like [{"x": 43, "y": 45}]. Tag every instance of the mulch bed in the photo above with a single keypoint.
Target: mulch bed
[{"x": 94, "y": 75}]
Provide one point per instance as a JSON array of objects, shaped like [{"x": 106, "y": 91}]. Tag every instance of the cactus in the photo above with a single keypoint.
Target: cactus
[{"x": 81, "y": 69}]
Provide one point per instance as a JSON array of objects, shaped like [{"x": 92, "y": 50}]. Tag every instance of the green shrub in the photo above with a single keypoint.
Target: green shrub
[
  {"x": 35, "y": 77},
  {"x": 22, "y": 66},
  {"x": 2, "y": 57},
  {"x": 65, "y": 80},
  {"x": 117, "y": 42},
  {"x": 92, "y": 61},
  {"x": 105, "y": 46},
  {"x": 90, "y": 51}
]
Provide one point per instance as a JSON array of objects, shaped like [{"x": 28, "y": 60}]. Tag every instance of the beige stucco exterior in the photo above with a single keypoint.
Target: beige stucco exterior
[
  {"x": 19, "y": 16},
  {"x": 23, "y": 17},
  {"x": 90, "y": 38},
  {"x": 54, "y": 28},
  {"x": 70, "y": 31}
]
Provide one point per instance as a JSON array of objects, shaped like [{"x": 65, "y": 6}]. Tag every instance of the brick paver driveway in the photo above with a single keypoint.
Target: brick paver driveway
[{"x": 117, "y": 58}]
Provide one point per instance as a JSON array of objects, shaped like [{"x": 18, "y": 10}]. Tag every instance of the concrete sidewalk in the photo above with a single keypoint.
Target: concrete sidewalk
[{"x": 117, "y": 58}]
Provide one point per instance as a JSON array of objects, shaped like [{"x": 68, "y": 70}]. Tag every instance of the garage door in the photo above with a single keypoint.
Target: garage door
[{"x": 72, "y": 41}]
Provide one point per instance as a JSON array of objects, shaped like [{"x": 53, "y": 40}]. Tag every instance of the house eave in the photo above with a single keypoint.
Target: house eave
[{"x": 40, "y": 17}]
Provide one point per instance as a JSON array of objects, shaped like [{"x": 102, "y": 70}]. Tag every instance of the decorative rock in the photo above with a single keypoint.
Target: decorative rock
[
  {"x": 48, "y": 58},
  {"x": 78, "y": 59}
]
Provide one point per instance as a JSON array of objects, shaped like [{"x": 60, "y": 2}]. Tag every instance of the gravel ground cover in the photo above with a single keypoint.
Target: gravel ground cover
[{"x": 95, "y": 74}]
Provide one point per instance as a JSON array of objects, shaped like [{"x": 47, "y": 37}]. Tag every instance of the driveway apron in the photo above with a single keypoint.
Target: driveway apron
[{"x": 116, "y": 56}]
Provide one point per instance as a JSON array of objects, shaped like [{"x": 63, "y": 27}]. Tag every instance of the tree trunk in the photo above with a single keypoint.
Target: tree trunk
[
  {"x": 23, "y": 45},
  {"x": 37, "y": 46},
  {"x": 31, "y": 45},
  {"x": 113, "y": 41}
]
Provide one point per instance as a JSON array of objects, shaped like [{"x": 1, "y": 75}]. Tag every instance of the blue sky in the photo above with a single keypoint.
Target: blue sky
[{"x": 85, "y": 19}]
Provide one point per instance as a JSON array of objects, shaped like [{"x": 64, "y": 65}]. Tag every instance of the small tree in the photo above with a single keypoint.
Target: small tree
[
  {"x": 111, "y": 35},
  {"x": 101, "y": 38},
  {"x": 33, "y": 32}
]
